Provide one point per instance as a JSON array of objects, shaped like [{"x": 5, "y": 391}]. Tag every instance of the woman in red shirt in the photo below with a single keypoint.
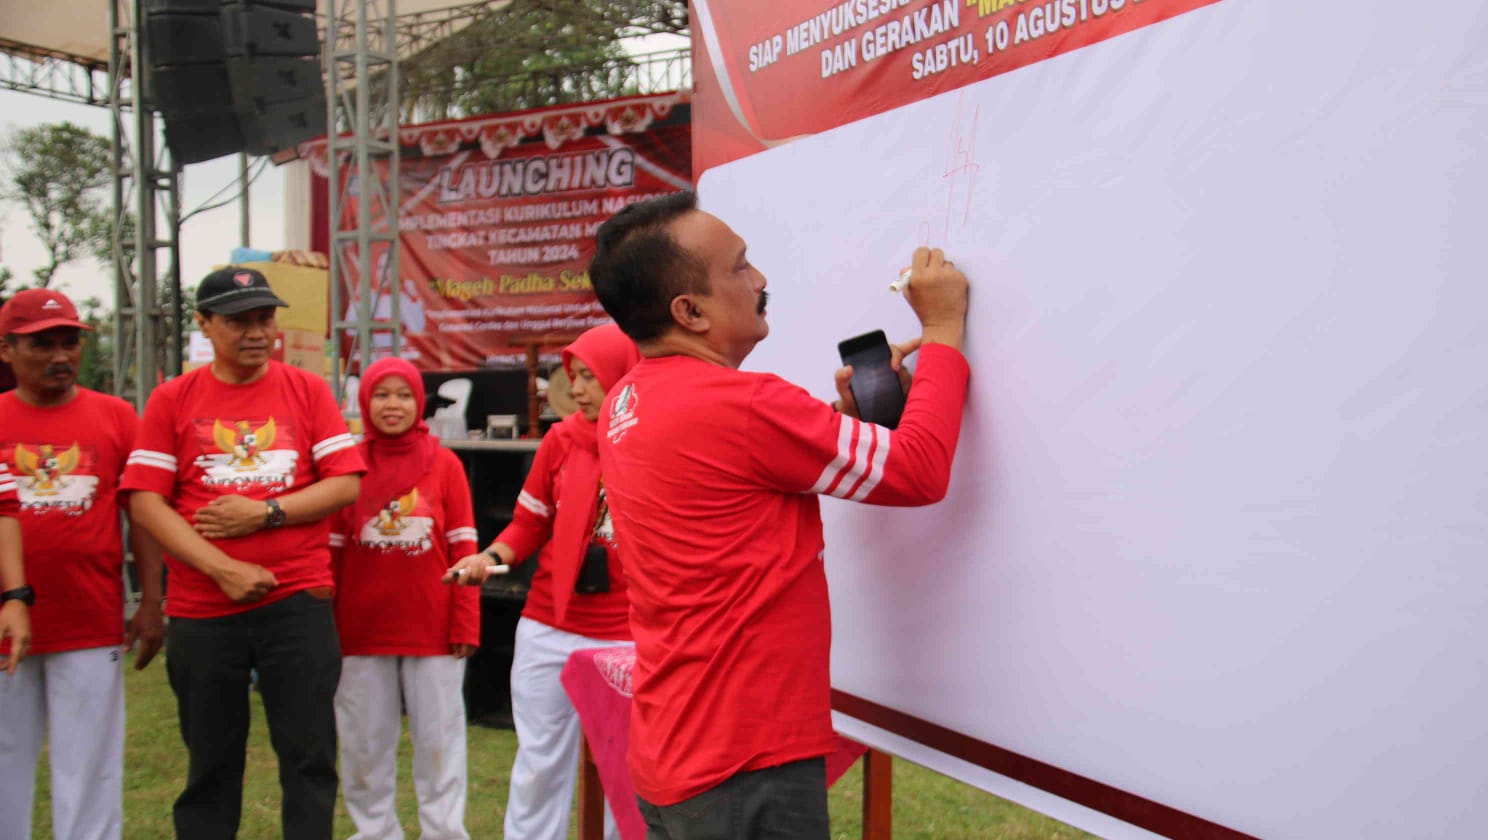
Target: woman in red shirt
[
  {"x": 404, "y": 636},
  {"x": 578, "y": 595}
]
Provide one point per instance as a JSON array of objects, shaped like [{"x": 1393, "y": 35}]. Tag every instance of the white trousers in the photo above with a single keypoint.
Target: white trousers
[
  {"x": 369, "y": 705},
  {"x": 77, "y": 699},
  {"x": 548, "y": 734}
]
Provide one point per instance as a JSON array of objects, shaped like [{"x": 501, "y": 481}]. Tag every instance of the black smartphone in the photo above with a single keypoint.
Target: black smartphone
[{"x": 875, "y": 386}]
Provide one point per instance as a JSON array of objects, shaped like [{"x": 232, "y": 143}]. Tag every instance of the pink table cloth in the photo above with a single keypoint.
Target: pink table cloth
[{"x": 598, "y": 682}]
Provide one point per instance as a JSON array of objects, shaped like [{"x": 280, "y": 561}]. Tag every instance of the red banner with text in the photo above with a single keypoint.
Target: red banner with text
[
  {"x": 496, "y": 232},
  {"x": 769, "y": 72}
]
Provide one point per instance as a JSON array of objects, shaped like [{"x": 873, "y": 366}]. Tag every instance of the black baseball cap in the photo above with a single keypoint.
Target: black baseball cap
[{"x": 234, "y": 289}]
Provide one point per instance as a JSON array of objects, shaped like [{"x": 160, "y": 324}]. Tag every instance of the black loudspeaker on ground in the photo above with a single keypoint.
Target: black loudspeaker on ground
[{"x": 233, "y": 76}]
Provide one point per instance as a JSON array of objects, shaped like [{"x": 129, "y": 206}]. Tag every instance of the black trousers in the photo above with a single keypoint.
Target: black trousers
[
  {"x": 293, "y": 645},
  {"x": 788, "y": 802}
]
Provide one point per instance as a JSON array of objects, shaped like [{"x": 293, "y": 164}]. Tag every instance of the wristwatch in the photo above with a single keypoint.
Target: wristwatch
[
  {"x": 275, "y": 515},
  {"x": 25, "y": 594}
]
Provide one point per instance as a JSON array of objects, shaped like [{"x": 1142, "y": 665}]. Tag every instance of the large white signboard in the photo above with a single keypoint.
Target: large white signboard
[{"x": 1217, "y": 536}]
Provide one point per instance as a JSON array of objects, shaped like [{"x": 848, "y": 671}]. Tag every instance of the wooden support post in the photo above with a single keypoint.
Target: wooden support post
[
  {"x": 591, "y": 796},
  {"x": 533, "y": 430},
  {"x": 878, "y": 795},
  {"x": 534, "y": 343}
]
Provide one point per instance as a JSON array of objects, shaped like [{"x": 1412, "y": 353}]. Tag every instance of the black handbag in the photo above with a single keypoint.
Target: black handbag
[{"x": 594, "y": 575}]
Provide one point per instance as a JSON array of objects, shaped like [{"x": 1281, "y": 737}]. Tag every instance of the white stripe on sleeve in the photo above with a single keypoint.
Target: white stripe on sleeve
[
  {"x": 459, "y": 534},
  {"x": 338, "y": 540},
  {"x": 335, "y": 443},
  {"x": 859, "y": 463},
  {"x": 533, "y": 503},
  {"x": 881, "y": 437},
  {"x": 845, "y": 427},
  {"x": 148, "y": 458}
]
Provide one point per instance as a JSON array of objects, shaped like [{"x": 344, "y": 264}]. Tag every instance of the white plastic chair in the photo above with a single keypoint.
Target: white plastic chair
[{"x": 449, "y": 421}]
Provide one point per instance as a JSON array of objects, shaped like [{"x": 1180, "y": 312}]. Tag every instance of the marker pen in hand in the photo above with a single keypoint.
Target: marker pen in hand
[
  {"x": 490, "y": 570},
  {"x": 902, "y": 283}
]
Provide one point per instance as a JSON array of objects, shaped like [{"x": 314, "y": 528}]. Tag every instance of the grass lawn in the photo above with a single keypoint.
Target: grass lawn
[{"x": 926, "y": 805}]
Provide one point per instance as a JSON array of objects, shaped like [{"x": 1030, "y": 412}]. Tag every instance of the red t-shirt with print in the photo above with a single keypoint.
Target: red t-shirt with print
[
  {"x": 9, "y": 505},
  {"x": 599, "y": 615},
  {"x": 713, "y": 476},
  {"x": 66, "y": 461},
  {"x": 203, "y": 438},
  {"x": 389, "y": 597}
]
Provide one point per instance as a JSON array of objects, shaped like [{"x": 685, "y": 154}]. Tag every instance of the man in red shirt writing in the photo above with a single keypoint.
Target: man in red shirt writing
[
  {"x": 713, "y": 476},
  {"x": 236, "y": 468}
]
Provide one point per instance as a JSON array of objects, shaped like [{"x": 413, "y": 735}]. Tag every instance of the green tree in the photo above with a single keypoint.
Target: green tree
[
  {"x": 96, "y": 368},
  {"x": 5, "y": 277},
  {"x": 532, "y": 53},
  {"x": 59, "y": 173}
]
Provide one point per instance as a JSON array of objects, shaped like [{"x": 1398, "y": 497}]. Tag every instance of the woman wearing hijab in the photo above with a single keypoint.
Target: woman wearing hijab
[
  {"x": 577, "y": 598},
  {"x": 404, "y": 635}
]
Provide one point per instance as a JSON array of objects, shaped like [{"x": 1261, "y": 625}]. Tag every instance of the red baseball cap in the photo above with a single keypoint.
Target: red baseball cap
[{"x": 34, "y": 310}]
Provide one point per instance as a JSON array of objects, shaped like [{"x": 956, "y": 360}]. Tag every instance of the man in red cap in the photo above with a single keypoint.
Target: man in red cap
[
  {"x": 66, "y": 447},
  {"x": 237, "y": 466}
]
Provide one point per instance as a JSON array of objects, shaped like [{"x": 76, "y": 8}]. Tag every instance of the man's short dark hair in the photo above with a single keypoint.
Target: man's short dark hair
[{"x": 639, "y": 268}]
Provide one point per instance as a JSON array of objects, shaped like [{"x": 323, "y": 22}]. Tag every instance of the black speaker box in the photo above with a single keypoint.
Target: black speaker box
[
  {"x": 258, "y": 82},
  {"x": 258, "y": 29},
  {"x": 184, "y": 89},
  {"x": 183, "y": 39},
  {"x": 282, "y": 125},
  {"x": 203, "y": 135},
  {"x": 199, "y": 7},
  {"x": 233, "y": 75}
]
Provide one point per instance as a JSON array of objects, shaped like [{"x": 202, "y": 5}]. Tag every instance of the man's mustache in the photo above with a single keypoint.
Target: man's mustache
[
  {"x": 764, "y": 298},
  {"x": 58, "y": 370}
]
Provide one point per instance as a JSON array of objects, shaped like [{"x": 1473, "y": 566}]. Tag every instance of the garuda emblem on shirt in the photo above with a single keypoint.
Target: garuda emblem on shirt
[
  {"x": 244, "y": 443},
  {"x": 390, "y": 520},
  {"x": 46, "y": 467}
]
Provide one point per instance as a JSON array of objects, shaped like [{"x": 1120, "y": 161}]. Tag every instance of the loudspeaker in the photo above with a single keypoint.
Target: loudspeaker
[
  {"x": 203, "y": 135},
  {"x": 233, "y": 75},
  {"x": 257, "y": 29}
]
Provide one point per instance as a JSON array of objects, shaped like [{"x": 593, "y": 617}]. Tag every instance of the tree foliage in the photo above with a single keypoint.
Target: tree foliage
[
  {"x": 96, "y": 367},
  {"x": 60, "y": 175},
  {"x": 532, "y": 53}
]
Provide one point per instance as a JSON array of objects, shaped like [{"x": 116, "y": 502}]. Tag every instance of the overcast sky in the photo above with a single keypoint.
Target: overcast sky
[{"x": 206, "y": 239}]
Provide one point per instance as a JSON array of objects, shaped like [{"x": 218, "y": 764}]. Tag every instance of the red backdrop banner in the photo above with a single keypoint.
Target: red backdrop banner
[
  {"x": 497, "y": 223},
  {"x": 769, "y": 72}
]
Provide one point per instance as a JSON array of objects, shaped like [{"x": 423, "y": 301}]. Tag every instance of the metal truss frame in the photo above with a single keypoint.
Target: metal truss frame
[
  {"x": 65, "y": 77},
  {"x": 362, "y": 99},
  {"x": 146, "y": 222}
]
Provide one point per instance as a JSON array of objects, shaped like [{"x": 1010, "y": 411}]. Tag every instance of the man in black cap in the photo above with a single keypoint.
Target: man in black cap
[{"x": 235, "y": 470}]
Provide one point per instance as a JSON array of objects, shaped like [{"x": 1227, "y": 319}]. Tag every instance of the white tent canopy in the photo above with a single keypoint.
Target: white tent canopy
[{"x": 78, "y": 30}]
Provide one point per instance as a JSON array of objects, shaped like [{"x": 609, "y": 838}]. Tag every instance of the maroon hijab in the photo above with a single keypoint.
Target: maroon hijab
[
  {"x": 396, "y": 463},
  {"x": 609, "y": 353}
]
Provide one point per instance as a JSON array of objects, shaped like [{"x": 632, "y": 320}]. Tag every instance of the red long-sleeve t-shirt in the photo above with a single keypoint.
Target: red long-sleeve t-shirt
[{"x": 713, "y": 476}]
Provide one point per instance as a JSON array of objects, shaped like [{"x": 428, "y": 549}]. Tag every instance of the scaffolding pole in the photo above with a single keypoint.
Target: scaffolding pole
[
  {"x": 146, "y": 221},
  {"x": 362, "y": 99}
]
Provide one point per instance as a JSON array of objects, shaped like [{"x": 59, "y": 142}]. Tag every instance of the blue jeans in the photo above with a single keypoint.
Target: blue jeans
[
  {"x": 788, "y": 802},
  {"x": 293, "y": 645}
]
